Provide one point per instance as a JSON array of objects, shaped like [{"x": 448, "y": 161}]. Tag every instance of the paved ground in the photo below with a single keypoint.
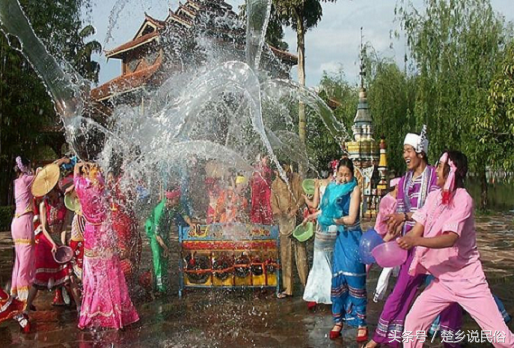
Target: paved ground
[{"x": 237, "y": 318}]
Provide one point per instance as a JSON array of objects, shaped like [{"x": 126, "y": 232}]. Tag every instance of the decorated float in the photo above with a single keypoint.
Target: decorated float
[{"x": 229, "y": 256}]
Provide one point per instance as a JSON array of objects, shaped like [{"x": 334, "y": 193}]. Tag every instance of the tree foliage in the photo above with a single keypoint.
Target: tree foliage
[
  {"x": 336, "y": 91},
  {"x": 392, "y": 98},
  {"x": 301, "y": 15},
  {"x": 456, "y": 46},
  {"x": 497, "y": 125},
  {"x": 26, "y": 110},
  {"x": 275, "y": 30}
]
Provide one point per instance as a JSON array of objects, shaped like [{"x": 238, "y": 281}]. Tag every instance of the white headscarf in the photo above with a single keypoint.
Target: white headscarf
[{"x": 418, "y": 142}]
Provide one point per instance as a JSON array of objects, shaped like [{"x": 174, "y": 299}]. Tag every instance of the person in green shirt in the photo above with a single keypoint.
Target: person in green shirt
[{"x": 168, "y": 213}]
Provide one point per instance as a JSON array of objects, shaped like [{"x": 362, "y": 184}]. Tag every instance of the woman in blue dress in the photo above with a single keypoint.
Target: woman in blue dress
[{"x": 340, "y": 206}]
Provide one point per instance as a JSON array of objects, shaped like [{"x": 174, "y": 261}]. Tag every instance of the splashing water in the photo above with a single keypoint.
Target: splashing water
[
  {"x": 210, "y": 118},
  {"x": 62, "y": 83}
]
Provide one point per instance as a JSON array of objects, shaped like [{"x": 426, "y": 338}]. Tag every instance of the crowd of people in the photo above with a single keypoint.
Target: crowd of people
[
  {"x": 102, "y": 250},
  {"x": 428, "y": 212}
]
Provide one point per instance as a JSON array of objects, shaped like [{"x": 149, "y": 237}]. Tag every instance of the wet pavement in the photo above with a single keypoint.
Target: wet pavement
[{"x": 250, "y": 318}]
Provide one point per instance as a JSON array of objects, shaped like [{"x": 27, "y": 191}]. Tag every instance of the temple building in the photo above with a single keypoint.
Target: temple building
[
  {"x": 161, "y": 48},
  {"x": 368, "y": 155}
]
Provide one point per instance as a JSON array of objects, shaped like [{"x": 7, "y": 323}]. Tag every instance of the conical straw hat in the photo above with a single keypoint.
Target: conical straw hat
[{"x": 45, "y": 180}]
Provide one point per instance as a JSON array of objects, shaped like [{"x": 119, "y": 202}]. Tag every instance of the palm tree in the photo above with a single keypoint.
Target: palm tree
[
  {"x": 82, "y": 62},
  {"x": 301, "y": 15}
]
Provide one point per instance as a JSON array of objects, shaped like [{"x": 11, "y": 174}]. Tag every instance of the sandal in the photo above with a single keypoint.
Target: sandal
[
  {"x": 282, "y": 295},
  {"x": 362, "y": 334},
  {"x": 335, "y": 334}
]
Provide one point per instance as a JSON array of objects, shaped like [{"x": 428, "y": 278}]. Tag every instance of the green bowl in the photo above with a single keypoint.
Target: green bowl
[
  {"x": 308, "y": 186},
  {"x": 72, "y": 202},
  {"x": 303, "y": 232}
]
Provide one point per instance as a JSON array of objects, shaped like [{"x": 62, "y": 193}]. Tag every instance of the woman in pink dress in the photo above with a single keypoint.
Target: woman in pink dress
[
  {"x": 105, "y": 299},
  {"x": 445, "y": 241},
  {"x": 22, "y": 230}
]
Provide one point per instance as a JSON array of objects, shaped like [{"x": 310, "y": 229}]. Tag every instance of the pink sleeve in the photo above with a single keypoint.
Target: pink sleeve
[
  {"x": 77, "y": 181},
  {"x": 28, "y": 179},
  {"x": 380, "y": 225},
  {"x": 387, "y": 206},
  {"x": 461, "y": 211}
]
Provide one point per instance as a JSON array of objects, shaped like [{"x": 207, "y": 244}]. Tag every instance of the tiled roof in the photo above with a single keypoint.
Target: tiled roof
[
  {"x": 125, "y": 83},
  {"x": 131, "y": 44}
]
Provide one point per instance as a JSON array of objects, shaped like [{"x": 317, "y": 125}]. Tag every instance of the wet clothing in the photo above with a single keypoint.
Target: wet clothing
[
  {"x": 160, "y": 224},
  {"x": 284, "y": 201},
  {"x": 105, "y": 297},
  {"x": 319, "y": 282},
  {"x": 50, "y": 274},
  {"x": 348, "y": 292},
  {"x": 459, "y": 277},
  {"x": 231, "y": 207},
  {"x": 22, "y": 231},
  {"x": 412, "y": 193},
  {"x": 387, "y": 206},
  {"x": 124, "y": 224},
  {"x": 78, "y": 226},
  {"x": 261, "y": 211},
  {"x": 9, "y": 306}
]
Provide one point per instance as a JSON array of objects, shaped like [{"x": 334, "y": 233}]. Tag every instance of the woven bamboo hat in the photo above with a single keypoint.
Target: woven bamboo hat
[{"x": 45, "y": 180}]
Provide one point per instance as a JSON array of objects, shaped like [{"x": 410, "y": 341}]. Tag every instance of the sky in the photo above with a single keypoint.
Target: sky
[{"x": 334, "y": 44}]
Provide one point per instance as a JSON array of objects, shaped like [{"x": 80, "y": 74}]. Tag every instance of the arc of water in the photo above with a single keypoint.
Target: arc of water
[
  {"x": 257, "y": 19},
  {"x": 65, "y": 94},
  {"x": 229, "y": 77},
  {"x": 310, "y": 98}
]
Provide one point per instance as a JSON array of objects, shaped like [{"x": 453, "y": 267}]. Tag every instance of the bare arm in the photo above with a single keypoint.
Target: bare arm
[
  {"x": 446, "y": 240},
  {"x": 396, "y": 220},
  {"x": 62, "y": 160},
  {"x": 42, "y": 210},
  {"x": 354, "y": 209},
  {"x": 76, "y": 169},
  {"x": 314, "y": 202},
  {"x": 316, "y": 198},
  {"x": 188, "y": 221},
  {"x": 312, "y": 217},
  {"x": 309, "y": 202},
  {"x": 161, "y": 241}
]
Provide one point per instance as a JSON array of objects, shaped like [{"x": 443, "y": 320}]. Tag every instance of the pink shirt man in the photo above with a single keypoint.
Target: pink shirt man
[
  {"x": 458, "y": 271},
  {"x": 462, "y": 261}
]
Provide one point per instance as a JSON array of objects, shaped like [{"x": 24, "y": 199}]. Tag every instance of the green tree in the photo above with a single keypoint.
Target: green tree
[
  {"x": 392, "y": 98},
  {"x": 343, "y": 97},
  {"x": 496, "y": 127},
  {"x": 25, "y": 109},
  {"x": 274, "y": 32},
  {"x": 83, "y": 51},
  {"x": 455, "y": 46},
  {"x": 27, "y": 116},
  {"x": 301, "y": 15}
]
